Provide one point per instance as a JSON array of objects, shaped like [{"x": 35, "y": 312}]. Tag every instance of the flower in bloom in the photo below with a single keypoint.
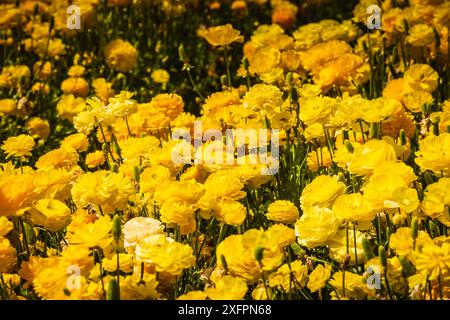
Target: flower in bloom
[
  {"x": 368, "y": 156},
  {"x": 139, "y": 228},
  {"x": 20, "y": 146},
  {"x": 193, "y": 295},
  {"x": 93, "y": 234},
  {"x": 434, "y": 260},
  {"x": 52, "y": 214},
  {"x": 104, "y": 190},
  {"x": 436, "y": 199},
  {"x": 322, "y": 191},
  {"x": 353, "y": 207},
  {"x": 95, "y": 159},
  {"x": 38, "y": 127},
  {"x": 282, "y": 211},
  {"x": 167, "y": 256},
  {"x": 17, "y": 191},
  {"x": 434, "y": 153},
  {"x": 319, "y": 277},
  {"x": 223, "y": 35},
  {"x": 289, "y": 276},
  {"x": 316, "y": 227},
  {"x": 160, "y": 76},
  {"x": 120, "y": 55},
  {"x": 77, "y": 141},
  {"x": 228, "y": 288}
]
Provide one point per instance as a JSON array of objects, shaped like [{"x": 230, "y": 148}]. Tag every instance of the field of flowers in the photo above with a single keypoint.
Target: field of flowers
[{"x": 219, "y": 149}]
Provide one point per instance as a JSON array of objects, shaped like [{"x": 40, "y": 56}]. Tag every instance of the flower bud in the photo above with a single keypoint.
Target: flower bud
[
  {"x": 224, "y": 262},
  {"x": 406, "y": 265},
  {"x": 245, "y": 63},
  {"x": 436, "y": 126},
  {"x": 289, "y": 77},
  {"x": 137, "y": 174},
  {"x": 414, "y": 228},
  {"x": 113, "y": 290},
  {"x": 29, "y": 233},
  {"x": 52, "y": 23},
  {"x": 224, "y": 80},
  {"x": 36, "y": 10},
  {"x": 382, "y": 256},
  {"x": 259, "y": 252},
  {"x": 341, "y": 177},
  {"x": 374, "y": 130},
  {"x": 182, "y": 54},
  {"x": 428, "y": 178},
  {"x": 345, "y": 135},
  {"x": 293, "y": 94},
  {"x": 433, "y": 229},
  {"x": 117, "y": 227},
  {"x": 349, "y": 146},
  {"x": 402, "y": 137},
  {"x": 368, "y": 254}
]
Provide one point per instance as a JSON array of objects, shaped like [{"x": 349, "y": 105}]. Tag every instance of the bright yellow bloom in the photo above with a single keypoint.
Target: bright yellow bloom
[
  {"x": 322, "y": 191},
  {"x": 20, "y": 146},
  {"x": 289, "y": 276},
  {"x": 282, "y": 211},
  {"x": 315, "y": 227},
  {"x": 228, "y": 288},
  {"x": 223, "y": 35},
  {"x": 319, "y": 277},
  {"x": 434, "y": 153},
  {"x": 52, "y": 214}
]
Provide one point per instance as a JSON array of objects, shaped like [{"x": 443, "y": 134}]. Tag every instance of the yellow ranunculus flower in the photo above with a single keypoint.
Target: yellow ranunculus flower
[{"x": 52, "y": 214}]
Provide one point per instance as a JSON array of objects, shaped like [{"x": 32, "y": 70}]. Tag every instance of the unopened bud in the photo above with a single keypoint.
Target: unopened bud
[
  {"x": 402, "y": 137},
  {"x": 374, "y": 130},
  {"x": 346, "y": 261},
  {"x": 414, "y": 228},
  {"x": 115, "y": 168},
  {"x": 224, "y": 262},
  {"x": 29, "y": 233},
  {"x": 345, "y": 135},
  {"x": 113, "y": 290},
  {"x": 182, "y": 54},
  {"x": 406, "y": 265},
  {"x": 433, "y": 229},
  {"x": 341, "y": 177},
  {"x": 224, "y": 80},
  {"x": 51, "y": 23},
  {"x": 137, "y": 174},
  {"x": 428, "y": 178},
  {"x": 259, "y": 252},
  {"x": 436, "y": 128},
  {"x": 349, "y": 146},
  {"x": 382, "y": 256},
  {"x": 117, "y": 227},
  {"x": 36, "y": 9},
  {"x": 368, "y": 254},
  {"x": 289, "y": 77},
  {"x": 293, "y": 94},
  {"x": 245, "y": 63}
]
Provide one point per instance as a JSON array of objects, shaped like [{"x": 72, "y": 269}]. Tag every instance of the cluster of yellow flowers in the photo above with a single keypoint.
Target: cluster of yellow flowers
[{"x": 358, "y": 209}]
